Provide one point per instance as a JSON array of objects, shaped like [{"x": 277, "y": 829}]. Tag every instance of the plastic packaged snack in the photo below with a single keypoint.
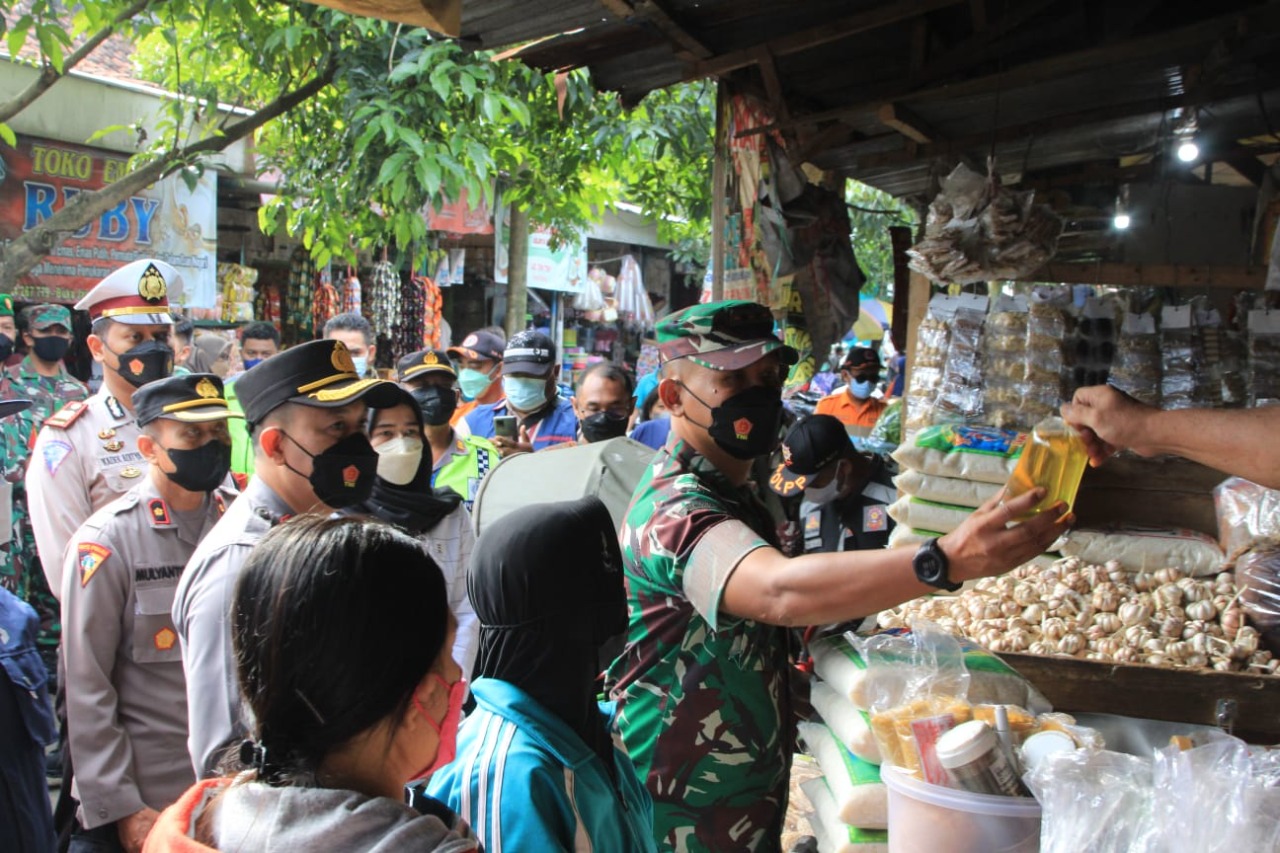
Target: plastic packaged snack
[
  {"x": 1264, "y": 357},
  {"x": 1182, "y": 358},
  {"x": 1136, "y": 369},
  {"x": 1247, "y": 514},
  {"x": 959, "y": 398}
]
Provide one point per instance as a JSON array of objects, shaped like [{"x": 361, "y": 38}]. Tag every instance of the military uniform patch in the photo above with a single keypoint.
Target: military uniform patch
[
  {"x": 875, "y": 519},
  {"x": 55, "y": 453},
  {"x": 90, "y": 556},
  {"x": 165, "y": 638},
  {"x": 67, "y": 415}
]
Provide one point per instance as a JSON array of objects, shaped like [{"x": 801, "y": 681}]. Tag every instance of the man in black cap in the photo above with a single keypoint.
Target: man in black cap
[
  {"x": 126, "y": 691},
  {"x": 459, "y": 462},
  {"x": 543, "y": 418},
  {"x": 844, "y": 493},
  {"x": 853, "y": 405},
  {"x": 305, "y": 409},
  {"x": 478, "y": 359}
]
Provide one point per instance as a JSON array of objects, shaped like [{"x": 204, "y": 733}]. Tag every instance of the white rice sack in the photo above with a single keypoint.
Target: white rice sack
[
  {"x": 985, "y": 454},
  {"x": 905, "y": 537},
  {"x": 945, "y": 490},
  {"x": 861, "y": 798},
  {"x": 852, "y": 726},
  {"x": 927, "y": 515},
  {"x": 834, "y": 835},
  {"x": 839, "y": 665},
  {"x": 1147, "y": 549}
]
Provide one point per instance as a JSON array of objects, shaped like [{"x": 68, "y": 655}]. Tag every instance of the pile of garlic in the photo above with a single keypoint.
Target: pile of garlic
[{"x": 1101, "y": 613}]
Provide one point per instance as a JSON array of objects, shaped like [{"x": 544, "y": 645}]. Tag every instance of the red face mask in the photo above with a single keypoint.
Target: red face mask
[{"x": 447, "y": 728}]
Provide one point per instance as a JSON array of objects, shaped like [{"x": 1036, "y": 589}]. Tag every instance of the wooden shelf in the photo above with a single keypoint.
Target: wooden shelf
[{"x": 1156, "y": 693}]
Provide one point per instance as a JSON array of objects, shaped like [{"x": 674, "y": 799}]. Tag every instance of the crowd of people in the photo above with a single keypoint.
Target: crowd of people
[{"x": 264, "y": 609}]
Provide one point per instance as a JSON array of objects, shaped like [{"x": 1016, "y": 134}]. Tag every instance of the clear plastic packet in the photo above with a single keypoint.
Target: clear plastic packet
[
  {"x": 1257, "y": 574},
  {"x": 1004, "y": 368},
  {"x": 1264, "y": 357},
  {"x": 1182, "y": 361},
  {"x": 1247, "y": 514},
  {"x": 1098, "y": 801},
  {"x": 918, "y": 688},
  {"x": 1234, "y": 371},
  {"x": 926, "y": 374},
  {"x": 1136, "y": 368},
  {"x": 959, "y": 397},
  {"x": 888, "y": 429}
]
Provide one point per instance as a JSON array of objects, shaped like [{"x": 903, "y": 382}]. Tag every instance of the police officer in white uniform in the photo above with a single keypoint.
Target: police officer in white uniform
[
  {"x": 126, "y": 693},
  {"x": 305, "y": 409},
  {"x": 87, "y": 455}
]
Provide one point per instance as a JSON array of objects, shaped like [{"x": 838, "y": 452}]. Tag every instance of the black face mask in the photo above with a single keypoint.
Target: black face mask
[
  {"x": 51, "y": 348},
  {"x": 202, "y": 469},
  {"x": 342, "y": 475},
  {"x": 746, "y": 425},
  {"x": 6, "y": 346},
  {"x": 603, "y": 426},
  {"x": 147, "y": 362},
  {"x": 437, "y": 404}
]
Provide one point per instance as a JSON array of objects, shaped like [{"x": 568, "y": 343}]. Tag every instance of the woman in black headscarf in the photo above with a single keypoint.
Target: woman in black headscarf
[
  {"x": 536, "y": 766},
  {"x": 403, "y": 496}
]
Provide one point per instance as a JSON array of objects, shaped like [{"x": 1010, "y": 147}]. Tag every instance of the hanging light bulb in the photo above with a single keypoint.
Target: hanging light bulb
[
  {"x": 1121, "y": 221},
  {"x": 1188, "y": 151}
]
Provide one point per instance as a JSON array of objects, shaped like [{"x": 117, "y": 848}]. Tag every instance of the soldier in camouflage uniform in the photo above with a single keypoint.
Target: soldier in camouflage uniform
[
  {"x": 42, "y": 378},
  {"x": 702, "y": 685}
]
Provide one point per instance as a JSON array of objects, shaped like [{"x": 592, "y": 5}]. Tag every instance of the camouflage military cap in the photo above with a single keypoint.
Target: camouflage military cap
[
  {"x": 43, "y": 316},
  {"x": 6, "y": 305},
  {"x": 726, "y": 335}
]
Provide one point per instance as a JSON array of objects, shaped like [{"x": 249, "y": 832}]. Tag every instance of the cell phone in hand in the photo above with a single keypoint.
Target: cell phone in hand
[{"x": 504, "y": 426}]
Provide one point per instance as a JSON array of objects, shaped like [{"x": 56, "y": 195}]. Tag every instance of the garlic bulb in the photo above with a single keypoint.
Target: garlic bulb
[
  {"x": 1144, "y": 581},
  {"x": 1202, "y": 610},
  {"x": 1053, "y": 628},
  {"x": 1106, "y": 599},
  {"x": 1171, "y": 627},
  {"x": 1133, "y": 613},
  {"x": 1034, "y": 613},
  {"x": 1169, "y": 594},
  {"x": 1168, "y": 575},
  {"x": 1108, "y": 622},
  {"x": 1072, "y": 643}
]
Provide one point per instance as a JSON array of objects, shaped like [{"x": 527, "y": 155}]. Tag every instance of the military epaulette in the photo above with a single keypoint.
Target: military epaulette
[{"x": 67, "y": 415}]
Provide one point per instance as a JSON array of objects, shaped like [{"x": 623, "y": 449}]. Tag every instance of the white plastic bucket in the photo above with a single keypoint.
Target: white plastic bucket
[{"x": 924, "y": 818}]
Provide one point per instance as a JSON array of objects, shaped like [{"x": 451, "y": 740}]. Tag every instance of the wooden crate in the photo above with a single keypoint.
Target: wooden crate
[
  {"x": 1156, "y": 693},
  {"x": 1150, "y": 492}
]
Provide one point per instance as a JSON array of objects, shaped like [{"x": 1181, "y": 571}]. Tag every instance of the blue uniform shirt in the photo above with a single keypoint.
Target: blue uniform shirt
[{"x": 556, "y": 425}]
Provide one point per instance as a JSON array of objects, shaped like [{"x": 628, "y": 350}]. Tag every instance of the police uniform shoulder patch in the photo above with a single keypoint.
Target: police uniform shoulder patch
[
  {"x": 55, "y": 453},
  {"x": 159, "y": 512},
  {"x": 67, "y": 415},
  {"x": 90, "y": 556}
]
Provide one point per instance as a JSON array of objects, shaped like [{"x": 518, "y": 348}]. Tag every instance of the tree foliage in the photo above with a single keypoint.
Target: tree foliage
[{"x": 871, "y": 213}]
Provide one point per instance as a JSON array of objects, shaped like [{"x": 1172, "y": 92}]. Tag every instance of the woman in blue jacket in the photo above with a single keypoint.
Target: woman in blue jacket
[{"x": 537, "y": 768}]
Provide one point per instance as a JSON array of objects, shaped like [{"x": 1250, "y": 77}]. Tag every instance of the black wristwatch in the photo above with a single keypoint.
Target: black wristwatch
[{"x": 931, "y": 566}]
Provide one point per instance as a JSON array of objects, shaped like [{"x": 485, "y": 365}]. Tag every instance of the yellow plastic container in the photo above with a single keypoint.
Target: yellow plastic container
[{"x": 1054, "y": 459}]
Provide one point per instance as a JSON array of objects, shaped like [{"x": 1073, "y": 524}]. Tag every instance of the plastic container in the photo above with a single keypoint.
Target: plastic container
[
  {"x": 924, "y": 817},
  {"x": 975, "y": 760}
]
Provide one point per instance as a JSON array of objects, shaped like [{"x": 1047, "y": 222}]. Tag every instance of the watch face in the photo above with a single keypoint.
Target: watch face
[{"x": 930, "y": 565}]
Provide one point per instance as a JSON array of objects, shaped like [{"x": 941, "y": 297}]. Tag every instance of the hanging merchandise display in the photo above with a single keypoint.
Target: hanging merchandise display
[
  {"x": 407, "y": 334},
  {"x": 431, "y": 318},
  {"x": 1137, "y": 365},
  {"x": 327, "y": 303},
  {"x": 632, "y": 299},
  {"x": 235, "y": 293},
  {"x": 298, "y": 321},
  {"x": 977, "y": 230},
  {"x": 351, "y": 296},
  {"x": 382, "y": 302}
]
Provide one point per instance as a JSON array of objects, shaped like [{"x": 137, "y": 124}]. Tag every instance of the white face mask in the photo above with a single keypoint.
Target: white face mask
[
  {"x": 824, "y": 495},
  {"x": 398, "y": 460}
]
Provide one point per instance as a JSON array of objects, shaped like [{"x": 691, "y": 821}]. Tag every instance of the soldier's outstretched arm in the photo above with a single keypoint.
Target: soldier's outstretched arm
[{"x": 817, "y": 589}]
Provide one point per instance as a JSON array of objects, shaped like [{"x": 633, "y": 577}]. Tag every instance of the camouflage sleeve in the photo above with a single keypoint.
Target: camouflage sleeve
[{"x": 712, "y": 561}]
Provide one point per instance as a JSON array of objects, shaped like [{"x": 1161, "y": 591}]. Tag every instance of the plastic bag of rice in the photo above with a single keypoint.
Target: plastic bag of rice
[
  {"x": 984, "y": 454},
  {"x": 945, "y": 490}
]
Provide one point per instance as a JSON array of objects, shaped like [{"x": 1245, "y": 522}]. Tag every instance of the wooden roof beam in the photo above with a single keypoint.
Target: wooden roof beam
[
  {"x": 842, "y": 28},
  {"x": 906, "y": 122},
  {"x": 772, "y": 83},
  {"x": 653, "y": 12}
]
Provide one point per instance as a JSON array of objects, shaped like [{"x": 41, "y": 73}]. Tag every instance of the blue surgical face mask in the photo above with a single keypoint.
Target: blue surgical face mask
[
  {"x": 525, "y": 394},
  {"x": 251, "y": 363},
  {"x": 362, "y": 364},
  {"x": 862, "y": 390},
  {"x": 473, "y": 382}
]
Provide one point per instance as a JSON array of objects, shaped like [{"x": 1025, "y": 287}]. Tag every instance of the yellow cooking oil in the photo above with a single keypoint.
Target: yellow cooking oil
[{"x": 1054, "y": 459}]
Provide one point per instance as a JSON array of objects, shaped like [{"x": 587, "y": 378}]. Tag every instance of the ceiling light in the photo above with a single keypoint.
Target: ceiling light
[
  {"x": 1121, "y": 222},
  {"x": 1188, "y": 151}
]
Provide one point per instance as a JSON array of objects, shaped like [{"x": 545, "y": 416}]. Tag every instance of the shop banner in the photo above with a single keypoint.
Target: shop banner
[
  {"x": 460, "y": 217},
  {"x": 563, "y": 269},
  {"x": 165, "y": 221}
]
